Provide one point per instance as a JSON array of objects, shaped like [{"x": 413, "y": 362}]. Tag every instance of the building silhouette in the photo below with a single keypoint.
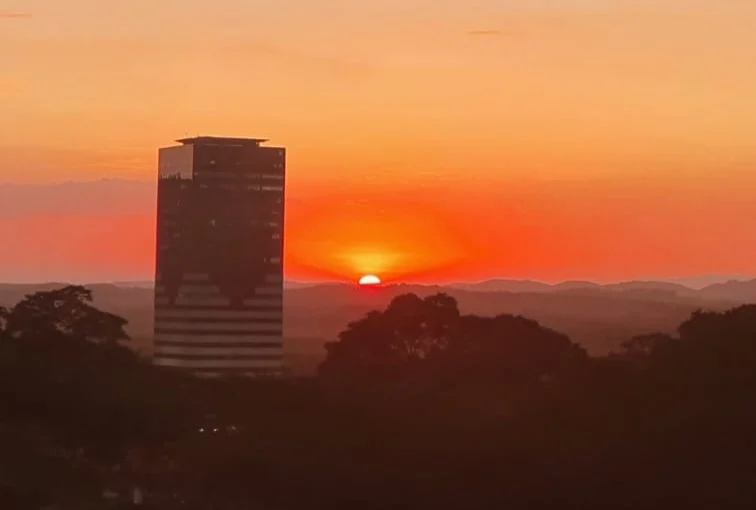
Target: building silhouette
[{"x": 219, "y": 261}]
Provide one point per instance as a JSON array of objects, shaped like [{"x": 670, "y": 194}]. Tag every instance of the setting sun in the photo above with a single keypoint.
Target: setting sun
[{"x": 370, "y": 279}]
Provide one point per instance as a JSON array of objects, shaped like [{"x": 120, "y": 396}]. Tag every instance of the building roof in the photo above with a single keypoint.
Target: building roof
[{"x": 221, "y": 140}]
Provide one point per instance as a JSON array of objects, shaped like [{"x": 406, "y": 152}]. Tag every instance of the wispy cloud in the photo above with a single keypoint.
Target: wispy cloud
[
  {"x": 488, "y": 33},
  {"x": 14, "y": 15}
]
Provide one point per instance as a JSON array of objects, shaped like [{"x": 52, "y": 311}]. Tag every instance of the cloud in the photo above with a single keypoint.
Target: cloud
[
  {"x": 14, "y": 15},
  {"x": 485, "y": 33}
]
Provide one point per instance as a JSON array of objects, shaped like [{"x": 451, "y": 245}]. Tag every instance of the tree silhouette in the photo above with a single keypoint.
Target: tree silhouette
[
  {"x": 721, "y": 343},
  {"x": 513, "y": 348},
  {"x": 4, "y": 312},
  {"x": 429, "y": 338},
  {"x": 80, "y": 413},
  {"x": 645, "y": 350},
  {"x": 735, "y": 326},
  {"x": 390, "y": 342},
  {"x": 64, "y": 312}
]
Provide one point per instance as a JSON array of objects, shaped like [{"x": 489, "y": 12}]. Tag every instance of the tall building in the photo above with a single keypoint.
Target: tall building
[{"x": 219, "y": 267}]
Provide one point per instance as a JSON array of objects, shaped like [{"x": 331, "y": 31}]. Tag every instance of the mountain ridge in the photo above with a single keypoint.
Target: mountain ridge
[{"x": 733, "y": 290}]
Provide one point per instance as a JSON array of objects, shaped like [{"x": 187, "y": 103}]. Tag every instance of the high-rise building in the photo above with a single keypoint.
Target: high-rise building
[{"x": 219, "y": 262}]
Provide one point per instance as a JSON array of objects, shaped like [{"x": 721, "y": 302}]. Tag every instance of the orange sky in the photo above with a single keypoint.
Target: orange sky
[{"x": 427, "y": 140}]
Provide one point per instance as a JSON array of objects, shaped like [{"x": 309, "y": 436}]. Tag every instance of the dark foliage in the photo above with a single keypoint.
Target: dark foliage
[
  {"x": 4, "y": 312},
  {"x": 445, "y": 411},
  {"x": 63, "y": 312},
  {"x": 421, "y": 345}
]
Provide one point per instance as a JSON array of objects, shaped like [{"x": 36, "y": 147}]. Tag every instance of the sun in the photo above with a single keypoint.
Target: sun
[{"x": 370, "y": 279}]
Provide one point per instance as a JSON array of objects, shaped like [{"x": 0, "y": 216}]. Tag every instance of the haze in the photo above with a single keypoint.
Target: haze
[{"x": 427, "y": 140}]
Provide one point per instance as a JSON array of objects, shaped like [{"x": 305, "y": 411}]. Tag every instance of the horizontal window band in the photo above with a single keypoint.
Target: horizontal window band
[
  {"x": 221, "y": 300},
  {"x": 212, "y": 315},
  {"x": 270, "y": 285},
  {"x": 217, "y": 352},
  {"x": 278, "y": 306},
  {"x": 257, "y": 370},
  {"x": 269, "y": 300},
  {"x": 199, "y": 301},
  {"x": 206, "y": 332},
  {"x": 170, "y": 320},
  {"x": 267, "y": 291},
  {"x": 211, "y": 365},
  {"x": 210, "y": 288},
  {"x": 219, "y": 345},
  {"x": 223, "y": 357},
  {"x": 217, "y": 339},
  {"x": 243, "y": 372},
  {"x": 222, "y": 326}
]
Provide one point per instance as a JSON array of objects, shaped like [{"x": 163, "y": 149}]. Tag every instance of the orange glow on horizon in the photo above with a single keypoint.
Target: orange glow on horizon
[
  {"x": 450, "y": 238},
  {"x": 418, "y": 234},
  {"x": 381, "y": 235},
  {"x": 489, "y": 139}
]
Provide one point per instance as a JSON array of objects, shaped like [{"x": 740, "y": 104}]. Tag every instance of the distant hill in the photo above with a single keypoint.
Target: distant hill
[
  {"x": 597, "y": 316},
  {"x": 736, "y": 291},
  {"x": 573, "y": 286},
  {"x": 598, "y": 319},
  {"x": 504, "y": 286},
  {"x": 701, "y": 281}
]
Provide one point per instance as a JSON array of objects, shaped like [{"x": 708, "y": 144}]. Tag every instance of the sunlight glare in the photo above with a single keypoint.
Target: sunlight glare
[{"x": 370, "y": 279}]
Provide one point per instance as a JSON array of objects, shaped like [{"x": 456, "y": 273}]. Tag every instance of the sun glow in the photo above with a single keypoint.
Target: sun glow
[
  {"x": 370, "y": 279},
  {"x": 398, "y": 239}
]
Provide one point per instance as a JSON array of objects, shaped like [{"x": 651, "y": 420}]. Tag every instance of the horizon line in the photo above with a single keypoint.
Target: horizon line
[{"x": 549, "y": 282}]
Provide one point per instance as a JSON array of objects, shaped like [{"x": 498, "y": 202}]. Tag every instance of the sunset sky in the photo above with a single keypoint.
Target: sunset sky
[{"x": 428, "y": 140}]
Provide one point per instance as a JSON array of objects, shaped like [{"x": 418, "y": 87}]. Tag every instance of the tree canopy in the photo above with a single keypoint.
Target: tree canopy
[
  {"x": 429, "y": 335},
  {"x": 3, "y": 320},
  {"x": 80, "y": 413},
  {"x": 68, "y": 312}
]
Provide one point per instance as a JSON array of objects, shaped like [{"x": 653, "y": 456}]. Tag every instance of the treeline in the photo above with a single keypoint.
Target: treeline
[{"x": 416, "y": 406}]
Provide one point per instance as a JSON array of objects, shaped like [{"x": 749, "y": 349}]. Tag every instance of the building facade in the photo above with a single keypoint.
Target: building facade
[{"x": 219, "y": 261}]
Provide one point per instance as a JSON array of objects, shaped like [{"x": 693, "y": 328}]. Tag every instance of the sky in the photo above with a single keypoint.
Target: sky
[{"x": 427, "y": 140}]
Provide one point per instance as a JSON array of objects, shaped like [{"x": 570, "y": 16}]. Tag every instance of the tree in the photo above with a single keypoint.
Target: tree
[
  {"x": 735, "y": 326},
  {"x": 66, "y": 311},
  {"x": 645, "y": 350},
  {"x": 3, "y": 320},
  {"x": 721, "y": 342},
  {"x": 409, "y": 331},
  {"x": 513, "y": 348},
  {"x": 429, "y": 339}
]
